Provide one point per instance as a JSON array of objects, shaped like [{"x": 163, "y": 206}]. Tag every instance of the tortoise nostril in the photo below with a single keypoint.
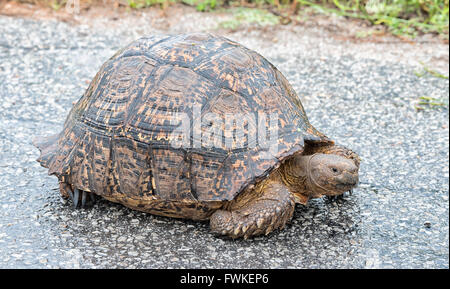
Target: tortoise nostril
[
  {"x": 354, "y": 170},
  {"x": 350, "y": 179}
]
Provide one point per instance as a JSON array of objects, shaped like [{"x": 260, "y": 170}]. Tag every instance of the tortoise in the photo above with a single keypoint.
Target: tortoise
[{"x": 118, "y": 139}]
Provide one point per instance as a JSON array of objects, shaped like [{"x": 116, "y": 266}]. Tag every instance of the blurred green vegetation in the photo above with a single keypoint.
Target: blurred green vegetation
[
  {"x": 401, "y": 17},
  {"x": 427, "y": 102},
  {"x": 429, "y": 71},
  {"x": 243, "y": 15}
]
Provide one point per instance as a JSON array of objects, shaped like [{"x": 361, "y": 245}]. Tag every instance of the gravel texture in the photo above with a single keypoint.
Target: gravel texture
[{"x": 361, "y": 94}]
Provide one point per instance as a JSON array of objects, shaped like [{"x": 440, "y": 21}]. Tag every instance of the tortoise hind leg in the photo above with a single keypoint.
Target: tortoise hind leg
[
  {"x": 80, "y": 198},
  {"x": 257, "y": 213}
]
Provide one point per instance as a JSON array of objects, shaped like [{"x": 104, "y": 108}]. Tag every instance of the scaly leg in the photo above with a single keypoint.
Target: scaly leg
[{"x": 261, "y": 211}]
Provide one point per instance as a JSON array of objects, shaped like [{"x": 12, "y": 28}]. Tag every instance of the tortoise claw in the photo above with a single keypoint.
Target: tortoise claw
[
  {"x": 81, "y": 198},
  {"x": 91, "y": 197},
  {"x": 335, "y": 198},
  {"x": 76, "y": 197}
]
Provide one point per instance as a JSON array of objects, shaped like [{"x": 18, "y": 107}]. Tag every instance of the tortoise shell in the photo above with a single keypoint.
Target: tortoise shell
[{"x": 115, "y": 141}]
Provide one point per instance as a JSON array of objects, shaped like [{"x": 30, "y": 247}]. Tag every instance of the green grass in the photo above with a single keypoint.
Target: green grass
[
  {"x": 429, "y": 71},
  {"x": 256, "y": 16},
  {"x": 401, "y": 17},
  {"x": 427, "y": 102},
  {"x": 139, "y": 4}
]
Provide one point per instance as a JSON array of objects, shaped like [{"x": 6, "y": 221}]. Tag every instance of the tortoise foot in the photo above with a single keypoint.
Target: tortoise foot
[
  {"x": 80, "y": 198},
  {"x": 334, "y": 198},
  {"x": 267, "y": 212},
  {"x": 338, "y": 197}
]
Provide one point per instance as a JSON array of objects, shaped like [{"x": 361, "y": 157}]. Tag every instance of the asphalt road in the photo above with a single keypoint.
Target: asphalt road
[{"x": 397, "y": 218}]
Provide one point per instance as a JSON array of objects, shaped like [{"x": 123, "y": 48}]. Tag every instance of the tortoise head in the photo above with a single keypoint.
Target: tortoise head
[{"x": 330, "y": 174}]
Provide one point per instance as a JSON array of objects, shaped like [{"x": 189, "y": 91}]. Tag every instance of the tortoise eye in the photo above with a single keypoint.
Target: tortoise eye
[{"x": 335, "y": 170}]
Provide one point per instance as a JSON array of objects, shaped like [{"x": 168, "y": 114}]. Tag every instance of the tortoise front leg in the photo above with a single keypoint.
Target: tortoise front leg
[{"x": 260, "y": 212}]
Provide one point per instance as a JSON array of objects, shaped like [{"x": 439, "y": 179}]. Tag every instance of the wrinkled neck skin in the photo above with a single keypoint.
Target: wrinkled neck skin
[{"x": 295, "y": 175}]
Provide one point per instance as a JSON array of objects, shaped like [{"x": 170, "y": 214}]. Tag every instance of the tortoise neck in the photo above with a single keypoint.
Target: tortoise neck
[{"x": 294, "y": 173}]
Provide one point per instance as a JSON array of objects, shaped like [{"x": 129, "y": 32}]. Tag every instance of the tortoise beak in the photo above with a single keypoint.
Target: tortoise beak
[{"x": 349, "y": 180}]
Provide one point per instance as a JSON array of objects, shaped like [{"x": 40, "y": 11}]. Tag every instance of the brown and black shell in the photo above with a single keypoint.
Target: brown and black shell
[{"x": 115, "y": 140}]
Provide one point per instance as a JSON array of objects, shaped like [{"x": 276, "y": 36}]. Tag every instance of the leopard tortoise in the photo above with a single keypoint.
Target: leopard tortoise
[{"x": 118, "y": 139}]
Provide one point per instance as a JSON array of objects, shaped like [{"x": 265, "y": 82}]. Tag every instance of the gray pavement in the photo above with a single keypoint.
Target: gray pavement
[{"x": 361, "y": 95}]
